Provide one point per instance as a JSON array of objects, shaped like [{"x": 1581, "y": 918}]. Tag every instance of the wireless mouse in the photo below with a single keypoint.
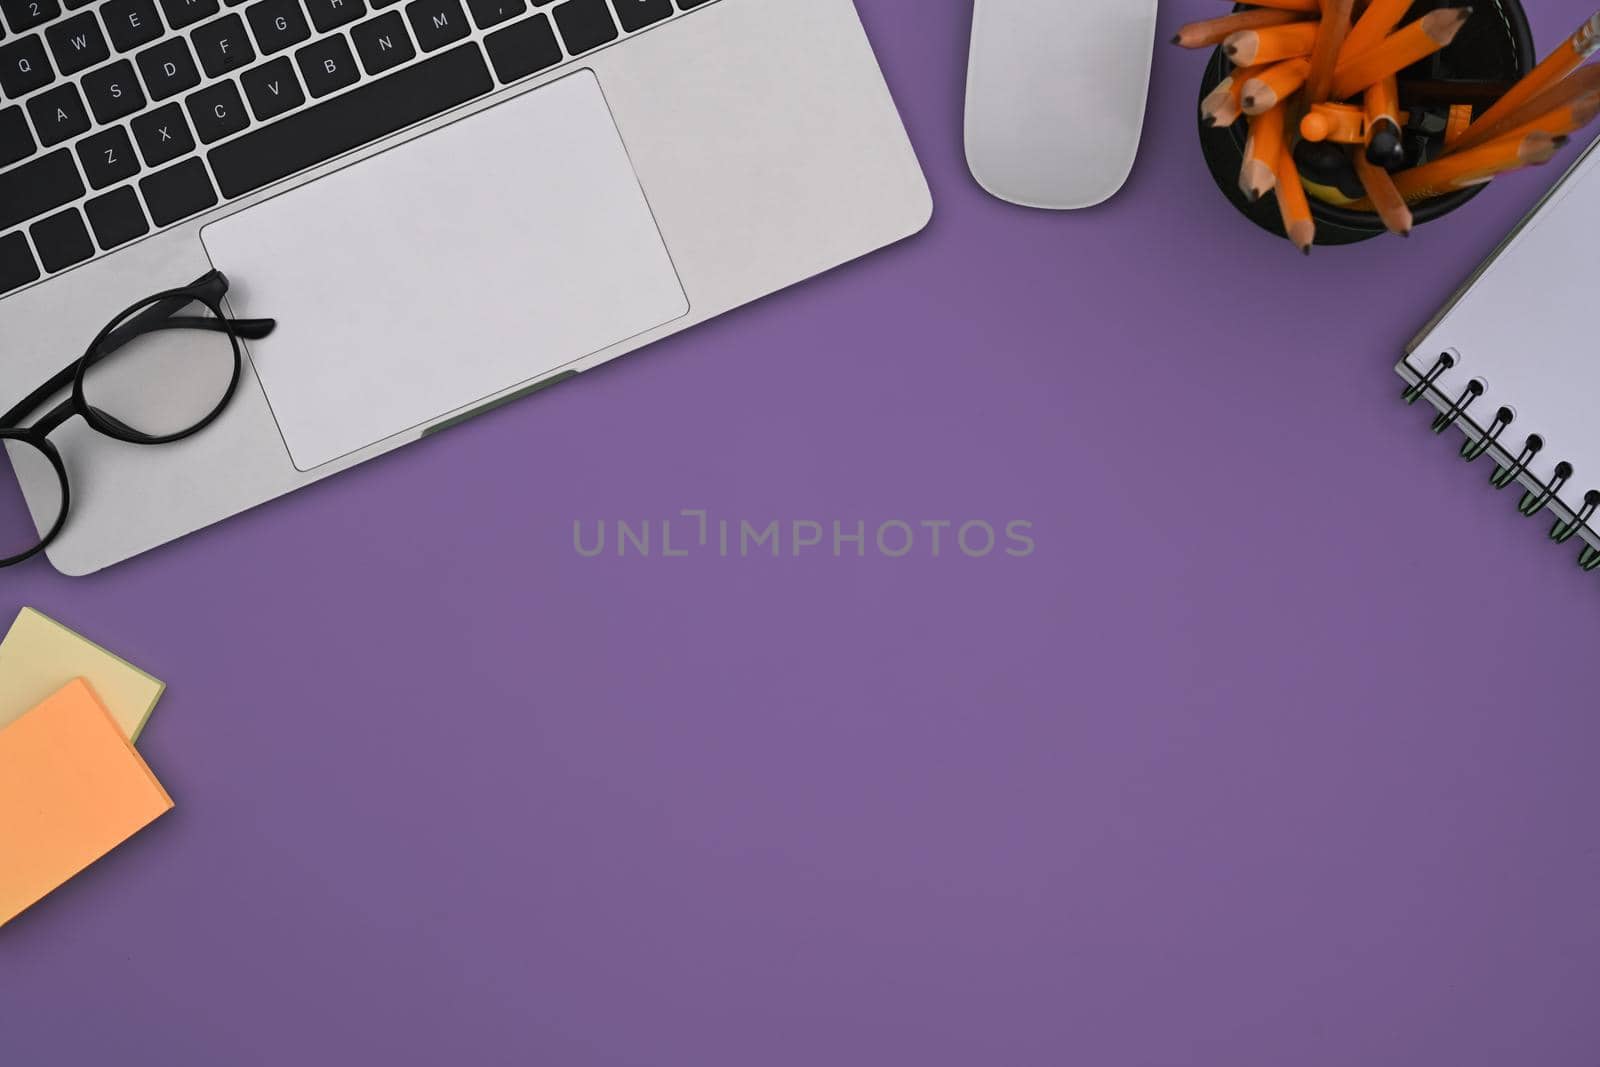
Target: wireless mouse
[{"x": 1055, "y": 97}]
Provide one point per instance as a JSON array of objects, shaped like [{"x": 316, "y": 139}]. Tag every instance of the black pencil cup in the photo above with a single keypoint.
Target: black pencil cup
[{"x": 1495, "y": 45}]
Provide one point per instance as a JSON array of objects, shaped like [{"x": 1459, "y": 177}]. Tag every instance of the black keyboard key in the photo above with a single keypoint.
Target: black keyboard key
[
  {"x": 58, "y": 115},
  {"x": 131, "y": 23},
  {"x": 73, "y": 5},
  {"x": 327, "y": 15},
  {"x": 62, "y": 240},
  {"x": 38, "y": 186},
  {"x": 488, "y": 13},
  {"x": 183, "y": 13},
  {"x": 217, "y": 112},
  {"x": 364, "y": 114},
  {"x": 77, "y": 43},
  {"x": 277, "y": 24},
  {"x": 168, "y": 68},
  {"x": 113, "y": 92},
  {"x": 222, "y": 46},
  {"x": 24, "y": 15},
  {"x": 585, "y": 24},
  {"x": 16, "y": 140},
  {"x": 382, "y": 42},
  {"x": 108, "y": 158},
  {"x": 162, "y": 135},
  {"x": 687, "y": 4},
  {"x": 116, "y": 217},
  {"x": 327, "y": 65},
  {"x": 178, "y": 192},
  {"x": 637, "y": 14},
  {"x": 523, "y": 48},
  {"x": 436, "y": 22},
  {"x": 24, "y": 67},
  {"x": 272, "y": 89},
  {"x": 17, "y": 266}
]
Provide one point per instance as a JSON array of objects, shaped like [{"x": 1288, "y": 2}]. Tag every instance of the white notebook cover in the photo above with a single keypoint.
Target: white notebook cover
[{"x": 1523, "y": 326}]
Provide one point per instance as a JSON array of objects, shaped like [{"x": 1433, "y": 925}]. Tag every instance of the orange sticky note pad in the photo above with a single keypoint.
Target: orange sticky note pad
[{"x": 72, "y": 788}]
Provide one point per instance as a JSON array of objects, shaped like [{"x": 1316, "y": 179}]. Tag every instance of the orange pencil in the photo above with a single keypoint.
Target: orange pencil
[
  {"x": 1210, "y": 32},
  {"x": 1277, "y": 82},
  {"x": 1292, "y": 204},
  {"x": 1381, "y": 106},
  {"x": 1240, "y": 76},
  {"x": 1565, "y": 91},
  {"x": 1386, "y": 199},
  {"x": 1262, "y": 150},
  {"x": 1381, "y": 101},
  {"x": 1399, "y": 50},
  {"x": 1272, "y": 43},
  {"x": 1379, "y": 20},
  {"x": 1221, "y": 105},
  {"x": 1476, "y": 165},
  {"x": 1456, "y": 122},
  {"x": 1556, "y": 66},
  {"x": 1560, "y": 121},
  {"x": 1331, "y": 33}
]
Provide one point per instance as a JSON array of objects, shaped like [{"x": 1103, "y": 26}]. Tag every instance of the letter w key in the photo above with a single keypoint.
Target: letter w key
[{"x": 77, "y": 43}]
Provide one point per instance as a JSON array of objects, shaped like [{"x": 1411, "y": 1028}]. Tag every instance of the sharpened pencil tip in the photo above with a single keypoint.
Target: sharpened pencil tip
[
  {"x": 1177, "y": 39},
  {"x": 1306, "y": 251}
]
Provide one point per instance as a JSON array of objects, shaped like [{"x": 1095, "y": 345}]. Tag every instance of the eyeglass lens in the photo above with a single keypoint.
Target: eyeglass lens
[{"x": 164, "y": 381}]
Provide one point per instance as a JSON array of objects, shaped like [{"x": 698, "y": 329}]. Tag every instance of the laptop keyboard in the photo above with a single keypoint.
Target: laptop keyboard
[{"x": 121, "y": 117}]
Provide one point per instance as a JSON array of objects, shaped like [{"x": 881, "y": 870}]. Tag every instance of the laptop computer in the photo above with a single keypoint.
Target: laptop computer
[{"x": 444, "y": 203}]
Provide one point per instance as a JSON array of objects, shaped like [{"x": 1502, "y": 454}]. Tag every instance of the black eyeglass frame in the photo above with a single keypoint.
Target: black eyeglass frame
[{"x": 158, "y": 312}]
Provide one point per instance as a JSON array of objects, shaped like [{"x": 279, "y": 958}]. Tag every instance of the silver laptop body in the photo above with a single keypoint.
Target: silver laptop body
[{"x": 537, "y": 225}]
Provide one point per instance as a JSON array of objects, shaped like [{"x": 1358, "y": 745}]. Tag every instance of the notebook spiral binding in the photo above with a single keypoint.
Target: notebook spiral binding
[{"x": 1533, "y": 501}]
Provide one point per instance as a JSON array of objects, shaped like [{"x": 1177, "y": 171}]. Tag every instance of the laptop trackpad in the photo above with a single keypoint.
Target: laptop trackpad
[{"x": 450, "y": 268}]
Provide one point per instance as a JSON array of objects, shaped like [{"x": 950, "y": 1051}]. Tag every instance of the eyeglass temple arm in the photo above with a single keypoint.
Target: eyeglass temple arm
[
  {"x": 249, "y": 329},
  {"x": 32, "y": 401},
  {"x": 62, "y": 378},
  {"x": 157, "y": 316},
  {"x": 213, "y": 285}
]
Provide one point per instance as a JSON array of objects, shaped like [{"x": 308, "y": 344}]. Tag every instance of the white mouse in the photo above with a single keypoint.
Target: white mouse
[{"x": 1055, "y": 97}]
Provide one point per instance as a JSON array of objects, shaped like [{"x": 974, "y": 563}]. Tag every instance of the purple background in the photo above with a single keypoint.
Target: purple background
[{"x": 1279, "y": 749}]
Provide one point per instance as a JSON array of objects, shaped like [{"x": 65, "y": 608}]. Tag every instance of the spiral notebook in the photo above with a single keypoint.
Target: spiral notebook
[{"x": 1511, "y": 360}]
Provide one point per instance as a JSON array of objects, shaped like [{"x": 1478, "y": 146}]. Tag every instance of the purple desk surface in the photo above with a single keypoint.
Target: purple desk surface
[{"x": 1279, "y": 748}]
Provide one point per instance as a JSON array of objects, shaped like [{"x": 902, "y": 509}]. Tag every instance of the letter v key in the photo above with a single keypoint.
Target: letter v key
[{"x": 272, "y": 89}]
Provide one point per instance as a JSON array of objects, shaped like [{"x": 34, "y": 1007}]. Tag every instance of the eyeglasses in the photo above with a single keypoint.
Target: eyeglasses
[{"x": 177, "y": 367}]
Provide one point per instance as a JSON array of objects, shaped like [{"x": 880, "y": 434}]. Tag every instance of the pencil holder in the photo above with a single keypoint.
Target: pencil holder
[{"x": 1493, "y": 48}]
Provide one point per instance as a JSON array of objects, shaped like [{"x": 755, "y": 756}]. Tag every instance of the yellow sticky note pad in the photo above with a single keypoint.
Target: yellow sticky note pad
[
  {"x": 39, "y": 656},
  {"x": 72, "y": 788}
]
